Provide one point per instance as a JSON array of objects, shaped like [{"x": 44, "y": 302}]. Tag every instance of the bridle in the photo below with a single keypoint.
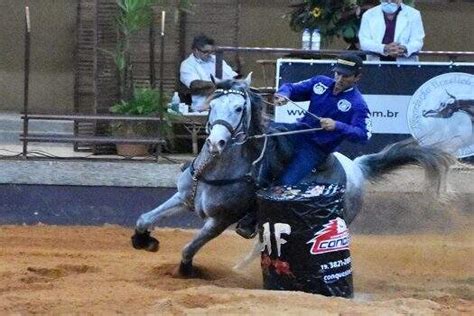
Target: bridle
[
  {"x": 240, "y": 128},
  {"x": 244, "y": 121}
]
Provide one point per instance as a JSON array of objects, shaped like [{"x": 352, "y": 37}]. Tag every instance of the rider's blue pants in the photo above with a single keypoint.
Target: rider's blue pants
[
  {"x": 306, "y": 154},
  {"x": 306, "y": 157}
]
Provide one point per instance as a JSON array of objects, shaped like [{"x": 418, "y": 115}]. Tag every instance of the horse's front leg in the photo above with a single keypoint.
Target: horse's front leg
[
  {"x": 142, "y": 239},
  {"x": 211, "y": 229}
]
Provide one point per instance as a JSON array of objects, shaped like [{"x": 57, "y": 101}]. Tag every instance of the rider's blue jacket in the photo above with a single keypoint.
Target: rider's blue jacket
[{"x": 348, "y": 109}]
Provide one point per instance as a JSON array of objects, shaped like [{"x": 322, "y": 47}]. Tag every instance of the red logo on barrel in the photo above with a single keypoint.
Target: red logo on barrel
[{"x": 333, "y": 237}]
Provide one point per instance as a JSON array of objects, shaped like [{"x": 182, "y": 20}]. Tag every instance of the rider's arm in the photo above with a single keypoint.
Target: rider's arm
[
  {"x": 191, "y": 79},
  {"x": 359, "y": 128},
  {"x": 299, "y": 91},
  {"x": 201, "y": 87}
]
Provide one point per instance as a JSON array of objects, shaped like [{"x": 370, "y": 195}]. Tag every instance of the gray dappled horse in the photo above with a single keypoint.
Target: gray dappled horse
[{"x": 220, "y": 187}]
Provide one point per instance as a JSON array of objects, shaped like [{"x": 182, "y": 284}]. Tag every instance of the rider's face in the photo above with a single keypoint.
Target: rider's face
[{"x": 344, "y": 82}]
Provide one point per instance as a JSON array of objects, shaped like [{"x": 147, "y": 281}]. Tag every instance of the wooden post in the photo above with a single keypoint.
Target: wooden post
[
  {"x": 162, "y": 64},
  {"x": 26, "y": 77},
  {"x": 219, "y": 62},
  {"x": 151, "y": 37}
]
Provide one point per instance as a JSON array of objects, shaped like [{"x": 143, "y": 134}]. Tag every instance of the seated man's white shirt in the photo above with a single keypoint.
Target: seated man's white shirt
[{"x": 196, "y": 69}]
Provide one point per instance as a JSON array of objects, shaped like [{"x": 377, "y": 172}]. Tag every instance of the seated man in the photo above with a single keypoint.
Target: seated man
[
  {"x": 393, "y": 30},
  {"x": 196, "y": 71},
  {"x": 337, "y": 106}
]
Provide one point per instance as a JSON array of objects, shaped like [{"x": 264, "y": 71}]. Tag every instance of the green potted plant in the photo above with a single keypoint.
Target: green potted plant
[
  {"x": 144, "y": 102},
  {"x": 134, "y": 16}
]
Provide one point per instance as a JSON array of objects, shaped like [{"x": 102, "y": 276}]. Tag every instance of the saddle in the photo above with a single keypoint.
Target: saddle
[{"x": 331, "y": 171}]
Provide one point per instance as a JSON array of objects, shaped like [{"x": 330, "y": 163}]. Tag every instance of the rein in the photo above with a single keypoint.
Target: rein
[
  {"x": 295, "y": 104},
  {"x": 196, "y": 173},
  {"x": 307, "y": 130}
]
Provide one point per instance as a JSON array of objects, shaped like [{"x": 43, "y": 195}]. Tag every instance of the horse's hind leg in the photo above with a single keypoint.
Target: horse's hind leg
[{"x": 211, "y": 229}]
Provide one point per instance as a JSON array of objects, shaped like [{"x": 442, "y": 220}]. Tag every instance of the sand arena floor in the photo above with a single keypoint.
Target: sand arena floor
[{"x": 94, "y": 270}]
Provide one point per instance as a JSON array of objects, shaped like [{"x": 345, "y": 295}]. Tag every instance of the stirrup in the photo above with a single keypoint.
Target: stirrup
[{"x": 246, "y": 232}]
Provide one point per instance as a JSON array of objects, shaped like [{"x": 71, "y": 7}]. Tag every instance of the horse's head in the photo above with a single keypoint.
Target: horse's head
[
  {"x": 230, "y": 114},
  {"x": 446, "y": 109}
]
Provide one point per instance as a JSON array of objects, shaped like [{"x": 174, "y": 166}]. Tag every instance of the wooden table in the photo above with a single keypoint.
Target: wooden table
[{"x": 193, "y": 122}]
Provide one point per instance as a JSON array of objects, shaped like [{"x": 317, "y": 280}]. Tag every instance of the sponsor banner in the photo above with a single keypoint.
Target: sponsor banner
[
  {"x": 387, "y": 117},
  {"x": 442, "y": 112},
  {"x": 403, "y": 99},
  {"x": 333, "y": 237},
  {"x": 290, "y": 112}
]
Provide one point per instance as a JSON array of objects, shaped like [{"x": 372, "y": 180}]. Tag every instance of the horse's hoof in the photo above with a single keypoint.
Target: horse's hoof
[
  {"x": 186, "y": 270},
  {"x": 145, "y": 241}
]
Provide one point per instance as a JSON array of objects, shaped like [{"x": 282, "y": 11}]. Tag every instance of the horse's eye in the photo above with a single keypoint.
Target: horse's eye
[{"x": 239, "y": 109}]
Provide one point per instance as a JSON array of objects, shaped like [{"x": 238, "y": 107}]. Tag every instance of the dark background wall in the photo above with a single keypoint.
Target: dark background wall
[
  {"x": 53, "y": 38},
  {"x": 448, "y": 26}
]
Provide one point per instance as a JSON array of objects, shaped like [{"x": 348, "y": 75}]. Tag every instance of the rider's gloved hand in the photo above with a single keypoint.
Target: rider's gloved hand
[
  {"x": 279, "y": 100},
  {"x": 327, "y": 124}
]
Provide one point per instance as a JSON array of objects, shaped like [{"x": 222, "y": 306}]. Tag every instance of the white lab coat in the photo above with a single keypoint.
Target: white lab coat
[{"x": 408, "y": 32}]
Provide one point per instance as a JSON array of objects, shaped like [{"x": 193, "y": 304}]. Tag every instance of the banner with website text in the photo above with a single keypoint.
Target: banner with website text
[{"x": 432, "y": 102}]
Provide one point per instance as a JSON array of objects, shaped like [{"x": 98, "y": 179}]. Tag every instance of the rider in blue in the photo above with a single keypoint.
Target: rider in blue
[{"x": 336, "y": 106}]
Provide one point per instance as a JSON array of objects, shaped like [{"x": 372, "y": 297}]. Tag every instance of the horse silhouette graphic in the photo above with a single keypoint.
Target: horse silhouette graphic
[
  {"x": 449, "y": 107},
  {"x": 458, "y": 135}
]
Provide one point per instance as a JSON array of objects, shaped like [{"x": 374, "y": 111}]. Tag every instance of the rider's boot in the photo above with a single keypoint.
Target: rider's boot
[{"x": 247, "y": 226}]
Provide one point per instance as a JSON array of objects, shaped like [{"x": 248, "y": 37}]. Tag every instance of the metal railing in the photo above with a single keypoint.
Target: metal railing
[
  {"x": 450, "y": 55},
  {"x": 27, "y": 137}
]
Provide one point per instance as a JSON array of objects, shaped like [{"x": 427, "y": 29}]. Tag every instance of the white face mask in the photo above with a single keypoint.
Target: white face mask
[{"x": 389, "y": 8}]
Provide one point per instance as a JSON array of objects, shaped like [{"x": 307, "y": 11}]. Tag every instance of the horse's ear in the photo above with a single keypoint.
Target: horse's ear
[
  {"x": 248, "y": 79},
  {"x": 449, "y": 94}
]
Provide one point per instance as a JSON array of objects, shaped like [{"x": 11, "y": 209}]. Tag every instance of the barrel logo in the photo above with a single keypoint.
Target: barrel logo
[{"x": 333, "y": 237}]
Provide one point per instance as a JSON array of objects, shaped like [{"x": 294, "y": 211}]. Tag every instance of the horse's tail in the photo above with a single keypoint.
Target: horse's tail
[{"x": 434, "y": 161}]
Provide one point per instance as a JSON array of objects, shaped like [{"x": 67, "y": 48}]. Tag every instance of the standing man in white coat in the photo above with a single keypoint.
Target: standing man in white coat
[{"x": 393, "y": 30}]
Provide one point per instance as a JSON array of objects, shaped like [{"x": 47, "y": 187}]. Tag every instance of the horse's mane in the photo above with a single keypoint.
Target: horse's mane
[{"x": 279, "y": 150}]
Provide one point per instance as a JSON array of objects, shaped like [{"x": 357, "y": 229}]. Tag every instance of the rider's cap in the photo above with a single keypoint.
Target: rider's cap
[{"x": 348, "y": 64}]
